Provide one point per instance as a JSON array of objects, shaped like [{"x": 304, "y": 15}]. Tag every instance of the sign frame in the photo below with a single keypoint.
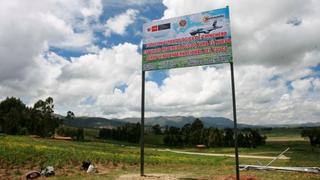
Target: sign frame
[
  {"x": 191, "y": 40},
  {"x": 235, "y": 128}
]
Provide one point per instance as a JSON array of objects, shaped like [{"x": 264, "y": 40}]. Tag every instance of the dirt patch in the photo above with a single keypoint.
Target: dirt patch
[
  {"x": 19, "y": 173},
  {"x": 242, "y": 177},
  {"x": 181, "y": 177},
  {"x": 150, "y": 177}
]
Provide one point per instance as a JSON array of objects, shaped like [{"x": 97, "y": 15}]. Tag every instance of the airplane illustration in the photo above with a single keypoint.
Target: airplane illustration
[{"x": 205, "y": 30}]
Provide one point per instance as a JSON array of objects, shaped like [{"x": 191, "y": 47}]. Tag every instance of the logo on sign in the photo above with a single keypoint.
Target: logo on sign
[
  {"x": 205, "y": 19},
  {"x": 159, "y": 27},
  {"x": 154, "y": 28},
  {"x": 182, "y": 23}
]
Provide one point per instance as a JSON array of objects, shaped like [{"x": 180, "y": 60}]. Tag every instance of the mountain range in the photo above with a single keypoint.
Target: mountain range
[
  {"x": 180, "y": 121},
  {"x": 177, "y": 121}
]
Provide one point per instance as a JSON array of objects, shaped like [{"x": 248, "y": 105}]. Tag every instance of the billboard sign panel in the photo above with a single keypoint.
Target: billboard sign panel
[{"x": 192, "y": 40}]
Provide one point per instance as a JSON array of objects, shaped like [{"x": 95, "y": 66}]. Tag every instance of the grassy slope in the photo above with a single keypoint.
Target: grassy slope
[
  {"x": 283, "y": 134},
  {"x": 19, "y": 153}
]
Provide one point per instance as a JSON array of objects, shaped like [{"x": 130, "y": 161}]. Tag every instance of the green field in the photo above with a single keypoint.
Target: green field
[{"x": 20, "y": 154}]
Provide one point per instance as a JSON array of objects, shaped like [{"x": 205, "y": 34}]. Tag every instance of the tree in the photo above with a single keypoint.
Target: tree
[
  {"x": 173, "y": 137},
  {"x": 313, "y": 134},
  {"x": 133, "y": 132},
  {"x": 215, "y": 138},
  {"x": 70, "y": 115},
  {"x": 242, "y": 140},
  {"x": 45, "y": 107},
  {"x": 74, "y": 133},
  {"x": 196, "y": 125},
  {"x": 196, "y": 132},
  {"x": 228, "y": 138},
  {"x": 105, "y": 133},
  {"x": 80, "y": 134},
  {"x": 17, "y": 118},
  {"x": 256, "y": 138},
  {"x": 186, "y": 133},
  {"x": 156, "y": 129},
  {"x": 13, "y": 116},
  {"x": 43, "y": 120},
  {"x": 128, "y": 132}
]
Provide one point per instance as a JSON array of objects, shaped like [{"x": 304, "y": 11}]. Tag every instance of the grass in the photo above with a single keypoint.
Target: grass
[
  {"x": 21, "y": 153},
  {"x": 154, "y": 139},
  {"x": 281, "y": 132}
]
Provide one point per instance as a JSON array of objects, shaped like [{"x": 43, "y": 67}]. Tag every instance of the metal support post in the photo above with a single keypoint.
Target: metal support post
[
  {"x": 142, "y": 126},
  {"x": 235, "y": 128}
]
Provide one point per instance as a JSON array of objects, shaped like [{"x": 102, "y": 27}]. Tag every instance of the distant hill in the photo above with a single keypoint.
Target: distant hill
[
  {"x": 180, "y": 121},
  {"x": 92, "y": 122},
  {"x": 308, "y": 124},
  {"x": 177, "y": 121}
]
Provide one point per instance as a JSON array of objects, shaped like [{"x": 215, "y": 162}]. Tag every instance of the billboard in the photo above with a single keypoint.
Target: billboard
[{"x": 192, "y": 40}]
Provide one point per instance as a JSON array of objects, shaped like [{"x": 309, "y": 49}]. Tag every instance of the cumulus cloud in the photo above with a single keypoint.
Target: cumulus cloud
[
  {"x": 119, "y": 23},
  {"x": 261, "y": 34},
  {"x": 142, "y": 2},
  {"x": 96, "y": 76},
  {"x": 271, "y": 57},
  {"x": 27, "y": 34},
  {"x": 86, "y": 84},
  {"x": 274, "y": 81}
]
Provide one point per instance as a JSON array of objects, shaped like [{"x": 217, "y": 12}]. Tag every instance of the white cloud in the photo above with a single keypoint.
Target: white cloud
[
  {"x": 28, "y": 30},
  {"x": 126, "y": 3},
  {"x": 119, "y": 23},
  {"x": 261, "y": 34},
  {"x": 93, "y": 9},
  {"x": 269, "y": 54},
  {"x": 97, "y": 76}
]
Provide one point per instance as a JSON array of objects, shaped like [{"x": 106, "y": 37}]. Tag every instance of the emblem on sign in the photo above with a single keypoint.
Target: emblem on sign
[{"x": 182, "y": 23}]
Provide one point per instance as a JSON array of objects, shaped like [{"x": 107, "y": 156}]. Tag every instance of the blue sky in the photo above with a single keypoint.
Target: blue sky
[
  {"x": 133, "y": 35},
  {"x": 149, "y": 12}
]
